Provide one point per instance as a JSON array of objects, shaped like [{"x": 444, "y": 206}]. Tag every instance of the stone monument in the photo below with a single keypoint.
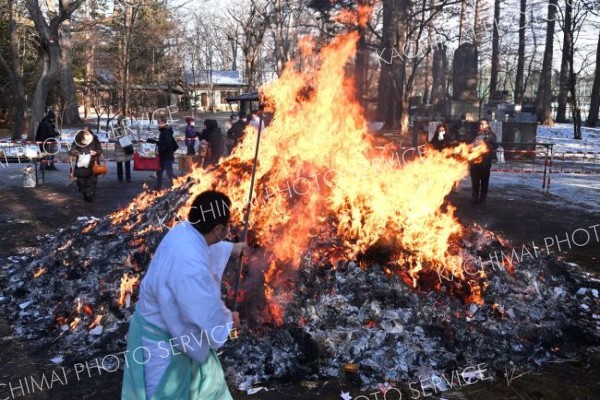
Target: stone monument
[{"x": 464, "y": 81}]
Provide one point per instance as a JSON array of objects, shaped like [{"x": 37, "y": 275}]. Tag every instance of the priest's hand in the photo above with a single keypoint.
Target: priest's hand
[
  {"x": 233, "y": 334},
  {"x": 238, "y": 248}
]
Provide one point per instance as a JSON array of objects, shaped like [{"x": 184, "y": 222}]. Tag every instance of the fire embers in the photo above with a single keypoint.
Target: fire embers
[
  {"x": 78, "y": 291},
  {"x": 128, "y": 284},
  {"x": 366, "y": 316}
]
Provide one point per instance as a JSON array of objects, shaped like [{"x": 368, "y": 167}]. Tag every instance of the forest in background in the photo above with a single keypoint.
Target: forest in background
[{"x": 56, "y": 53}]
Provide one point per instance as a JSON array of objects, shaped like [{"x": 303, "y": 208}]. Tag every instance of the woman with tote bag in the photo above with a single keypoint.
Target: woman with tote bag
[
  {"x": 123, "y": 150},
  {"x": 86, "y": 151}
]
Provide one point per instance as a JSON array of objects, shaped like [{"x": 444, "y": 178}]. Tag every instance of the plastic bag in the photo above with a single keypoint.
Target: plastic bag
[
  {"x": 147, "y": 150},
  {"x": 83, "y": 160}
]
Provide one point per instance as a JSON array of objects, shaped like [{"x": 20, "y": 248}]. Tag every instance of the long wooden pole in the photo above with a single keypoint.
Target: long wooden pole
[{"x": 247, "y": 216}]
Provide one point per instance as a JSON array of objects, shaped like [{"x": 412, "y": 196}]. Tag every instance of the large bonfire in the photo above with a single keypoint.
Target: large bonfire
[
  {"x": 319, "y": 174},
  {"x": 352, "y": 259}
]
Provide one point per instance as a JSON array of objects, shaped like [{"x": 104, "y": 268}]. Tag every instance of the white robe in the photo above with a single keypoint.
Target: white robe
[{"x": 181, "y": 294}]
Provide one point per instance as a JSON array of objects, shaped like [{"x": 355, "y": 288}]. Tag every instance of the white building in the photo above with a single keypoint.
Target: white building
[{"x": 208, "y": 89}]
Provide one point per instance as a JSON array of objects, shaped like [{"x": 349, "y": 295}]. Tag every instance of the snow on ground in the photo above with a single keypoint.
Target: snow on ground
[
  {"x": 562, "y": 136},
  {"x": 569, "y": 190}
]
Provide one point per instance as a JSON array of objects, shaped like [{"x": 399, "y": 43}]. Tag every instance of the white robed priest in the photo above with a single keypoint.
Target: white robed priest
[{"x": 180, "y": 319}]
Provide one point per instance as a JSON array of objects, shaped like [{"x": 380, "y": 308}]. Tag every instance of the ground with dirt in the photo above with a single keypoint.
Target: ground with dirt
[{"x": 521, "y": 213}]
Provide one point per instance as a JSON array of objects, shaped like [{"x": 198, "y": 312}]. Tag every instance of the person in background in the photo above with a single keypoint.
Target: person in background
[
  {"x": 47, "y": 130},
  {"x": 167, "y": 146},
  {"x": 480, "y": 168},
  {"x": 254, "y": 119},
  {"x": 180, "y": 298},
  {"x": 216, "y": 141},
  {"x": 441, "y": 138},
  {"x": 122, "y": 156},
  {"x": 190, "y": 135},
  {"x": 85, "y": 152},
  {"x": 236, "y": 132},
  {"x": 462, "y": 130}
]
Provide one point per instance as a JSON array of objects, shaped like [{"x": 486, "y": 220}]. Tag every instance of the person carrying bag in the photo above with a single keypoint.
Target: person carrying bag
[
  {"x": 123, "y": 151},
  {"x": 166, "y": 146},
  {"x": 86, "y": 152}
]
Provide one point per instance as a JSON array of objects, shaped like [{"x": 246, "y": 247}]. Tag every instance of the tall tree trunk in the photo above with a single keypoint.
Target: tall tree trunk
[
  {"x": 249, "y": 70},
  {"x": 16, "y": 76},
  {"x": 51, "y": 54},
  {"x": 125, "y": 48},
  {"x": 234, "y": 48},
  {"x": 572, "y": 85},
  {"x": 592, "y": 119},
  {"x": 70, "y": 113},
  {"x": 561, "y": 112},
  {"x": 544, "y": 95},
  {"x": 519, "y": 81},
  {"x": 361, "y": 65},
  {"x": 49, "y": 76},
  {"x": 281, "y": 32},
  {"x": 461, "y": 22},
  {"x": 476, "y": 35},
  {"x": 495, "y": 49},
  {"x": 392, "y": 106},
  {"x": 90, "y": 56}
]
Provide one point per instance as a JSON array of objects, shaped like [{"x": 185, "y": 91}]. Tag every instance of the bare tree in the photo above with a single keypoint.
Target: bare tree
[
  {"x": 592, "y": 119},
  {"x": 519, "y": 84},
  {"x": 15, "y": 73},
  {"x": 461, "y": 23},
  {"x": 253, "y": 24},
  {"x": 67, "y": 82},
  {"x": 392, "y": 75},
  {"x": 90, "y": 42},
  {"x": 567, "y": 28},
  {"x": 284, "y": 18},
  {"x": 495, "y": 48},
  {"x": 544, "y": 94},
  {"x": 50, "y": 52}
]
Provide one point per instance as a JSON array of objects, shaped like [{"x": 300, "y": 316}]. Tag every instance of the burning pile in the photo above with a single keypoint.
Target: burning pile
[{"x": 367, "y": 267}]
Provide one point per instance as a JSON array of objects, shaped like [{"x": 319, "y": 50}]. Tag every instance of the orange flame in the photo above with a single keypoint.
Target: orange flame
[
  {"x": 40, "y": 271},
  {"x": 359, "y": 17},
  {"x": 274, "y": 308},
  {"x": 96, "y": 321},
  {"x": 75, "y": 323},
  {"x": 89, "y": 227},
  {"x": 316, "y": 164},
  {"x": 127, "y": 285},
  {"x": 317, "y": 176}
]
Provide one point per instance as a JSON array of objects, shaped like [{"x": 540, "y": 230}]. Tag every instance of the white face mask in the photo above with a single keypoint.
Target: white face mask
[
  {"x": 441, "y": 135},
  {"x": 192, "y": 123}
]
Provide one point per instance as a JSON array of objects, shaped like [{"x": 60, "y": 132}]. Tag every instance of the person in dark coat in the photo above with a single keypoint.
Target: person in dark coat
[
  {"x": 122, "y": 156},
  {"x": 190, "y": 136},
  {"x": 45, "y": 132},
  {"x": 236, "y": 132},
  {"x": 480, "y": 168},
  {"x": 86, "y": 145},
  {"x": 462, "y": 130},
  {"x": 216, "y": 141},
  {"x": 441, "y": 138},
  {"x": 167, "y": 146}
]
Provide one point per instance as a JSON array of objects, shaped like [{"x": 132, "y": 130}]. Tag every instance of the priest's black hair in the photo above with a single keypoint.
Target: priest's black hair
[{"x": 209, "y": 209}]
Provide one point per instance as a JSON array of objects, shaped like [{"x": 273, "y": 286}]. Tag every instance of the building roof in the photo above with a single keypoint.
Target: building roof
[
  {"x": 214, "y": 77},
  {"x": 250, "y": 96},
  {"x": 174, "y": 89}
]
